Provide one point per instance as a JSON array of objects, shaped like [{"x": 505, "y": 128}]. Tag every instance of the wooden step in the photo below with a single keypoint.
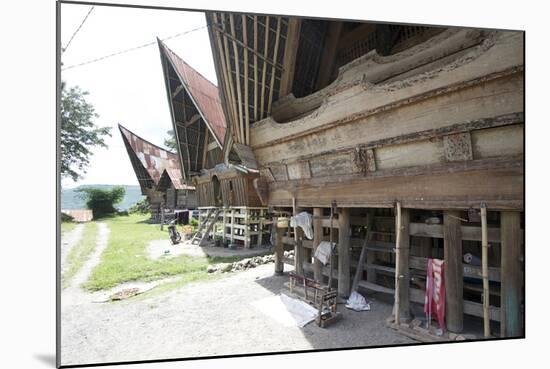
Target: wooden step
[
  {"x": 381, "y": 268},
  {"x": 375, "y": 287},
  {"x": 380, "y": 249},
  {"x": 383, "y": 233}
]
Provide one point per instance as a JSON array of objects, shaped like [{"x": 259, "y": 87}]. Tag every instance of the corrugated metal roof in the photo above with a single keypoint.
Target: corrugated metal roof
[
  {"x": 174, "y": 175},
  {"x": 153, "y": 158},
  {"x": 79, "y": 215},
  {"x": 203, "y": 92}
]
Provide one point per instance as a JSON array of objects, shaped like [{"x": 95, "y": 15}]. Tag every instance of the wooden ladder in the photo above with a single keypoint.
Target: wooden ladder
[
  {"x": 371, "y": 265},
  {"x": 206, "y": 226}
]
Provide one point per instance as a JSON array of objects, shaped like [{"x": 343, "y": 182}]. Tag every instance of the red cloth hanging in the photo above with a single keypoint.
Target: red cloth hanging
[{"x": 434, "y": 301}]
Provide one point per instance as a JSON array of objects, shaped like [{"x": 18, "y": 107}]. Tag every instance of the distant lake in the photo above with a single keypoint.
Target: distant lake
[{"x": 70, "y": 198}]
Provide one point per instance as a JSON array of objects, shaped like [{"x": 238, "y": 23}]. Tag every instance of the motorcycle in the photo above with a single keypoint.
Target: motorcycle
[{"x": 175, "y": 236}]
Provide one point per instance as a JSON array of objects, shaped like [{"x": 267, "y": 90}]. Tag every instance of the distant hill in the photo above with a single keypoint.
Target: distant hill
[{"x": 70, "y": 198}]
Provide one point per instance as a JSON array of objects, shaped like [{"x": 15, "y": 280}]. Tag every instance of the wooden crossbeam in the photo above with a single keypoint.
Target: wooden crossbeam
[
  {"x": 177, "y": 91},
  {"x": 193, "y": 119}
]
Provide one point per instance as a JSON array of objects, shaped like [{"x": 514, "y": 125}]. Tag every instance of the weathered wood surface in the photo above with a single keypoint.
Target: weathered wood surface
[
  {"x": 298, "y": 246},
  {"x": 511, "y": 285},
  {"x": 471, "y": 271},
  {"x": 402, "y": 264},
  {"x": 498, "y": 183},
  {"x": 344, "y": 257},
  {"x": 477, "y": 66},
  {"x": 279, "y": 251},
  {"x": 465, "y": 116},
  {"x": 375, "y": 69},
  {"x": 317, "y": 238},
  {"x": 453, "y": 271},
  {"x": 501, "y": 96}
]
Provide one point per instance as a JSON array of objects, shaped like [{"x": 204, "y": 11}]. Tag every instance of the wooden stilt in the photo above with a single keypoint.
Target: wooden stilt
[
  {"x": 485, "y": 271},
  {"x": 402, "y": 245},
  {"x": 511, "y": 282},
  {"x": 162, "y": 216},
  {"x": 344, "y": 260},
  {"x": 317, "y": 238},
  {"x": 371, "y": 255},
  {"x": 452, "y": 244},
  {"x": 298, "y": 249},
  {"x": 279, "y": 250},
  {"x": 364, "y": 252}
]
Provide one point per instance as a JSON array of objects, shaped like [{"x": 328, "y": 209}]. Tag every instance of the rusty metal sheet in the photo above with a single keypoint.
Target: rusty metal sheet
[
  {"x": 154, "y": 159},
  {"x": 204, "y": 93}
]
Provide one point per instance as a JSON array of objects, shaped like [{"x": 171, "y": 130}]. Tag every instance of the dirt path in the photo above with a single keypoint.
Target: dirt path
[
  {"x": 207, "y": 319},
  {"x": 73, "y": 294},
  {"x": 68, "y": 240}
]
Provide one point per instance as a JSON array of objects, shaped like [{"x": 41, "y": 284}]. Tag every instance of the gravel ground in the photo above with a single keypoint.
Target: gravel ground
[{"x": 207, "y": 319}]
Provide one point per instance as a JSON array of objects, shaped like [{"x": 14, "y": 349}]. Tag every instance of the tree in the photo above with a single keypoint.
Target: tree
[
  {"x": 78, "y": 132},
  {"x": 170, "y": 141},
  {"x": 102, "y": 202}
]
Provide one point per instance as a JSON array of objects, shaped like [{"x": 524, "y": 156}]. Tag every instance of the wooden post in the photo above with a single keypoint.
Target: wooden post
[
  {"x": 317, "y": 238},
  {"x": 246, "y": 228},
  {"x": 485, "y": 272},
  {"x": 162, "y": 216},
  {"x": 344, "y": 252},
  {"x": 260, "y": 227},
  {"x": 232, "y": 238},
  {"x": 298, "y": 249},
  {"x": 511, "y": 280},
  {"x": 402, "y": 245},
  {"x": 363, "y": 257},
  {"x": 224, "y": 225},
  {"x": 371, "y": 255},
  {"x": 452, "y": 244},
  {"x": 279, "y": 249}
]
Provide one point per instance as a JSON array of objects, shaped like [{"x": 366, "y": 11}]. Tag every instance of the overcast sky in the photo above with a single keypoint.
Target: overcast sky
[{"x": 128, "y": 88}]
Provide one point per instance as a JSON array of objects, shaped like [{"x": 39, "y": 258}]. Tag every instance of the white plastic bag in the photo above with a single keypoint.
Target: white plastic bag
[
  {"x": 357, "y": 302},
  {"x": 304, "y": 221},
  {"x": 323, "y": 252}
]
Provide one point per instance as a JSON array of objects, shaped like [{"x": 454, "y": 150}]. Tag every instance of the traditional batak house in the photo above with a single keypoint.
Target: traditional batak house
[
  {"x": 159, "y": 176},
  {"x": 383, "y": 125},
  {"x": 199, "y": 122}
]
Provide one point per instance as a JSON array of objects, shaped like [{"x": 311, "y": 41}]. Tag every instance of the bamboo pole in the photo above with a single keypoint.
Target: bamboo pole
[
  {"x": 246, "y": 103},
  {"x": 397, "y": 257},
  {"x": 264, "y": 69},
  {"x": 237, "y": 79},
  {"x": 224, "y": 50},
  {"x": 485, "y": 271},
  {"x": 255, "y": 68},
  {"x": 273, "y": 69}
]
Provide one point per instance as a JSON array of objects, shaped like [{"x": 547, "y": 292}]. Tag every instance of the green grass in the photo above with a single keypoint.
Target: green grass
[
  {"x": 80, "y": 252},
  {"x": 125, "y": 258},
  {"x": 67, "y": 227}
]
